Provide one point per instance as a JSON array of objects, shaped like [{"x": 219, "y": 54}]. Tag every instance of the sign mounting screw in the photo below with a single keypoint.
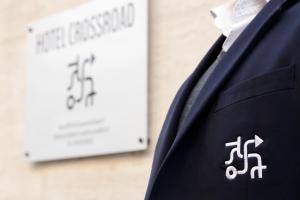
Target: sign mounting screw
[{"x": 30, "y": 30}]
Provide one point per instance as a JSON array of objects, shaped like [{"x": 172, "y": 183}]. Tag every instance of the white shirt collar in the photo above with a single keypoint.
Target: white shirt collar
[{"x": 233, "y": 17}]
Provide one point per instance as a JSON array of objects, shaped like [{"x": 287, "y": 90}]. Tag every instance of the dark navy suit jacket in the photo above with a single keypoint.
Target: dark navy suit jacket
[{"x": 248, "y": 114}]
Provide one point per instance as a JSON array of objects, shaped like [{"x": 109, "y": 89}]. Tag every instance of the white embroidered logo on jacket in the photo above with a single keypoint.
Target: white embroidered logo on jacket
[{"x": 231, "y": 171}]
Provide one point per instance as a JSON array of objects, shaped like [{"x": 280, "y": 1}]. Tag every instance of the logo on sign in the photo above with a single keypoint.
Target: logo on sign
[{"x": 81, "y": 87}]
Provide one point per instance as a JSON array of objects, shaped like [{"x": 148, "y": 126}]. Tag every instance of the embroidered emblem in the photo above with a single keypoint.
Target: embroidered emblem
[{"x": 231, "y": 171}]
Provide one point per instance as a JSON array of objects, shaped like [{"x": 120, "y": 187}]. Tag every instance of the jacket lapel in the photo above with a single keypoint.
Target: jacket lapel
[
  {"x": 243, "y": 44},
  {"x": 170, "y": 128}
]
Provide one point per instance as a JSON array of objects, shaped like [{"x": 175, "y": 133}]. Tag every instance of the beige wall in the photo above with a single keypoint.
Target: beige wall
[{"x": 181, "y": 32}]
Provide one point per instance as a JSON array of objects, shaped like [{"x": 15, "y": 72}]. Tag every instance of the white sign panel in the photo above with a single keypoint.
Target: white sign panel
[{"x": 87, "y": 81}]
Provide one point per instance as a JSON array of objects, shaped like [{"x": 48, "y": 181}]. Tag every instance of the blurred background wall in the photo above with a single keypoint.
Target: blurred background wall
[{"x": 181, "y": 33}]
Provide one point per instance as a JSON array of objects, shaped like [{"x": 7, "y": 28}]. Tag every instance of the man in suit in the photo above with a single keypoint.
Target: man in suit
[{"x": 239, "y": 138}]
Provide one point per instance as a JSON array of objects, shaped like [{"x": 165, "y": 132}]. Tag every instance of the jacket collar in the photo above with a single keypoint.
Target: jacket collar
[{"x": 243, "y": 44}]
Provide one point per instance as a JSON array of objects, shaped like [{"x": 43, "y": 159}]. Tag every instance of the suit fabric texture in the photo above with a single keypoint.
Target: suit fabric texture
[{"x": 241, "y": 138}]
